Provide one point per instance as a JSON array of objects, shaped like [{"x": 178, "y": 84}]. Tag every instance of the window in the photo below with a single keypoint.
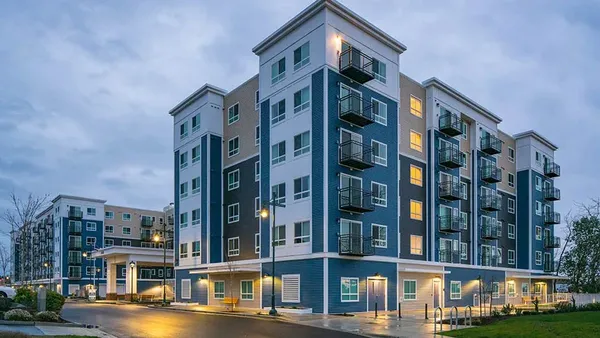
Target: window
[
  {"x": 278, "y": 193},
  {"x": 495, "y": 289},
  {"x": 349, "y": 289},
  {"x": 511, "y": 154},
  {"x": 511, "y": 205},
  {"x": 183, "y": 220},
  {"x": 499, "y": 229},
  {"x": 379, "y": 152},
  {"x": 256, "y": 171},
  {"x": 301, "y": 100},
  {"x": 233, "y": 114},
  {"x": 195, "y": 154},
  {"x": 89, "y": 270},
  {"x": 538, "y": 158},
  {"x": 278, "y": 112},
  {"x": 464, "y": 251},
  {"x": 302, "y": 143},
  {"x": 464, "y": 220},
  {"x": 499, "y": 251},
  {"x": 538, "y": 233},
  {"x": 416, "y": 210},
  {"x": 90, "y": 226},
  {"x": 302, "y": 56},
  {"x": 379, "y": 70},
  {"x": 301, "y": 188},
  {"x": 233, "y": 180},
  {"x": 109, "y": 242},
  {"x": 233, "y": 146},
  {"x": 109, "y": 215},
  {"x": 290, "y": 288},
  {"x": 183, "y": 250},
  {"x": 196, "y": 249},
  {"x": 233, "y": 246},
  {"x": 257, "y": 136},
  {"x": 415, "y": 106},
  {"x": 410, "y": 289},
  {"x": 538, "y": 258},
  {"x": 455, "y": 290},
  {"x": 278, "y": 153},
  {"x": 233, "y": 213},
  {"x": 183, "y": 160},
  {"x": 90, "y": 241},
  {"x": 279, "y": 235},
  {"x": 538, "y": 183},
  {"x": 109, "y": 229},
  {"x": 416, "y": 175},
  {"x": 247, "y": 289},
  {"x": 195, "y": 123},
  {"x": 195, "y": 216},
  {"x": 256, "y": 100},
  {"x": 126, "y": 231},
  {"x": 256, "y": 243},
  {"x": 379, "y": 194},
  {"x": 525, "y": 289},
  {"x": 91, "y": 211},
  {"x": 511, "y": 257},
  {"x": 278, "y": 71},
  {"x": 464, "y": 127},
  {"x": 538, "y": 208},
  {"x": 302, "y": 232},
  {"x": 257, "y": 206},
  {"x": 379, "y": 111},
  {"x": 126, "y": 243},
  {"x": 416, "y": 245},
  {"x": 415, "y": 141},
  {"x": 183, "y": 130},
  {"x": 183, "y": 190},
  {"x": 195, "y": 185},
  {"x": 379, "y": 235},
  {"x": 464, "y": 159},
  {"x": 511, "y": 180},
  {"x": 463, "y": 191},
  {"x": 219, "y": 289},
  {"x": 511, "y": 231}
]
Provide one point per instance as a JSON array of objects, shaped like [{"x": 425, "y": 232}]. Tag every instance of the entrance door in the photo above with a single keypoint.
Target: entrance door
[
  {"x": 437, "y": 292},
  {"x": 376, "y": 288}
]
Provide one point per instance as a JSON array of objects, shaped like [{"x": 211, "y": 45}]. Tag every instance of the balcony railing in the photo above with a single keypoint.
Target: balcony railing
[
  {"x": 551, "y": 169},
  {"x": 356, "y": 65},
  {"x": 551, "y": 217},
  {"x": 489, "y": 230},
  {"x": 355, "y": 245},
  {"x": 490, "y": 173},
  {"x": 75, "y": 260},
  {"x": 170, "y": 220},
  {"x": 450, "y": 190},
  {"x": 353, "y": 199},
  {"x": 488, "y": 259},
  {"x": 75, "y": 214},
  {"x": 74, "y": 274},
  {"x": 355, "y": 110},
  {"x": 74, "y": 245},
  {"x": 451, "y": 157},
  {"x": 491, "y": 145},
  {"x": 146, "y": 236},
  {"x": 551, "y": 194},
  {"x": 449, "y": 223},
  {"x": 550, "y": 266},
  {"x": 491, "y": 202},
  {"x": 75, "y": 229},
  {"x": 551, "y": 242},
  {"x": 147, "y": 221},
  {"x": 356, "y": 155},
  {"x": 450, "y": 124},
  {"x": 449, "y": 256}
]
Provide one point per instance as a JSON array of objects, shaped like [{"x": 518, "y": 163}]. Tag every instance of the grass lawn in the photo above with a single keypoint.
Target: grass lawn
[{"x": 574, "y": 324}]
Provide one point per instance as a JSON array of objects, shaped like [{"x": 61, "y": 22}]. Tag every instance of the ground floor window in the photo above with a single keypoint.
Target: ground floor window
[
  {"x": 525, "y": 289},
  {"x": 511, "y": 289},
  {"x": 495, "y": 290},
  {"x": 349, "y": 289},
  {"x": 219, "y": 289},
  {"x": 247, "y": 287},
  {"x": 186, "y": 289},
  {"x": 455, "y": 290},
  {"x": 410, "y": 289}
]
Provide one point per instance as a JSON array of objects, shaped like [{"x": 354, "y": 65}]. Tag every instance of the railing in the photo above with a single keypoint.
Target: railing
[
  {"x": 355, "y": 110},
  {"x": 489, "y": 259},
  {"x": 551, "y": 169},
  {"x": 75, "y": 245},
  {"x": 355, "y": 200},
  {"x": 551, "y": 242},
  {"x": 450, "y": 124},
  {"x": 491, "y": 173},
  {"x": 76, "y": 214},
  {"x": 356, "y": 65},
  {"x": 146, "y": 236},
  {"x": 549, "y": 266},
  {"x": 451, "y": 157},
  {"x": 491, "y": 145},
  {"x": 449, "y": 256},
  {"x": 551, "y": 194},
  {"x": 489, "y": 230},
  {"x": 450, "y": 190},
  {"x": 551, "y": 217},
  {"x": 75, "y": 229},
  {"x": 449, "y": 223},
  {"x": 355, "y": 245},
  {"x": 491, "y": 202},
  {"x": 356, "y": 155},
  {"x": 147, "y": 221}
]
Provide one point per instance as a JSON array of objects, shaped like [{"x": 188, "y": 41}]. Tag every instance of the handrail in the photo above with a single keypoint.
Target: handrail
[
  {"x": 435, "y": 320},
  {"x": 470, "y": 315}
]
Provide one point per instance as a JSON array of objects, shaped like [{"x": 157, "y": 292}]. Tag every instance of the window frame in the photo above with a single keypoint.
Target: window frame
[
  {"x": 196, "y": 159},
  {"x": 196, "y": 119},
  {"x": 236, "y": 183},
  {"x": 453, "y": 295},
  {"x": 231, "y": 217},
  {"x": 232, "y": 149},
  {"x": 411, "y": 294},
  {"x": 350, "y": 295},
  {"x": 233, "y": 252},
  {"x": 378, "y": 159},
  {"x": 414, "y": 146},
  {"x": 304, "y": 149},
  {"x": 511, "y": 184},
  {"x": 303, "y": 106},
  {"x": 302, "y": 194},
  {"x": 417, "y": 251},
  {"x": 257, "y": 136},
  {"x": 511, "y": 158},
  {"x": 508, "y": 203},
  {"x": 183, "y": 254},
  {"x": 414, "y": 111},
  {"x": 378, "y": 200},
  {"x": 376, "y": 71},
  {"x": 377, "y": 117},
  {"x": 303, "y": 238},
  {"x": 280, "y": 74},
  {"x": 465, "y": 246},
  {"x": 275, "y": 160},
  {"x": 377, "y": 242},
  {"x": 107, "y": 213},
  {"x": 511, "y": 234},
  {"x": 257, "y": 243},
  {"x": 414, "y": 180},
  {"x": 218, "y": 295},
  {"x": 509, "y": 260},
  {"x": 303, "y": 61},
  {"x": 279, "y": 241},
  {"x": 256, "y": 171},
  {"x": 231, "y": 119},
  {"x": 196, "y": 253},
  {"x": 126, "y": 233},
  {"x": 538, "y": 261},
  {"x": 182, "y": 216},
  {"x": 244, "y": 295},
  {"x": 413, "y": 215},
  {"x": 280, "y": 117}
]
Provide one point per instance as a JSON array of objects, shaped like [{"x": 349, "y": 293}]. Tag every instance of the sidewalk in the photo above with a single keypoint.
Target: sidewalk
[{"x": 54, "y": 330}]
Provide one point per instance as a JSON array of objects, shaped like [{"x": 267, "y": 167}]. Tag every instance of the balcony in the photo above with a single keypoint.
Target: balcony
[
  {"x": 490, "y": 173},
  {"x": 147, "y": 221},
  {"x": 450, "y": 124},
  {"x": 551, "y": 217},
  {"x": 356, "y": 155},
  {"x": 551, "y": 194},
  {"x": 449, "y": 223},
  {"x": 491, "y": 202},
  {"x": 355, "y": 200},
  {"x": 75, "y": 214},
  {"x": 449, "y": 256},
  {"x": 74, "y": 245},
  {"x": 170, "y": 220},
  {"x": 355, "y": 110},
  {"x": 74, "y": 259},
  {"x": 75, "y": 229},
  {"x": 451, "y": 157},
  {"x": 489, "y": 230},
  {"x": 146, "y": 236},
  {"x": 488, "y": 259},
  {"x": 550, "y": 266},
  {"x": 355, "y": 245},
  {"x": 450, "y": 190},
  {"x": 50, "y": 220},
  {"x": 491, "y": 145},
  {"x": 551, "y": 169},
  {"x": 551, "y": 242},
  {"x": 356, "y": 65},
  {"x": 74, "y": 274}
]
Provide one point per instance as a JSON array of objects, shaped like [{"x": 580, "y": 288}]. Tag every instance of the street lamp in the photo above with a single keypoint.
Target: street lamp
[
  {"x": 132, "y": 265},
  {"x": 156, "y": 239},
  {"x": 264, "y": 213},
  {"x": 47, "y": 266}
]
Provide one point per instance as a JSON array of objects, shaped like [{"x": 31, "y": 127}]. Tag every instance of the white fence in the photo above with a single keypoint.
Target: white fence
[{"x": 585, "y": 298}]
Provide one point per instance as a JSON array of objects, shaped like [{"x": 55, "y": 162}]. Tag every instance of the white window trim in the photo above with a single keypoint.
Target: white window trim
[
  {"x": 303, "y": 106},
  {"x": 382, "y": 161},
  {"x": 214, "y": 289},
  {"x": 453, "y": 295},
  {"x": 302, "y": 150},
  {"x": 233, "y": 218},
  {"x": 538, "y": 238},
  {"x": 256, "y": 175},
  {"x": 123, "y": 230},
  {"x": 235, "y": 151},
  {"x": 538, "y": 262},
  {"x": 280, "y": 158},
  {"x": 350, "y": 294},
  {"x": 496, "y": 295},
  {"x": 466, "y": 252},
  {"x": 511, "y": 236},
  {"x": 509, "y": 260},
  {"x": 541, "y": 208},
  {"x": 512, "y": 160},
  {"x": 511, "y": 210},
  {"x": 242, "y": 292},
  {"x": 301, "y": 236},
  {"x": 538, "y": 187},
  {"x": 302, "y": 192},
  {"x": 235, "y": 184},
  {"x": 233, "y": 252},
  {"x": 257, "y": 240},
  {"x": 123, "y": 217},
  {"x": 256, "y": 104},
  {"x": 373, "y": 225},
  {"x": 512, "y": 185},
  {"x": 404, "y": 290},
  {"x": 376, "y": 119},
  {"x": 189, "y": 289},
  {"x": 229, "y": 122},
  {"x": 257, "y": 211},
  {"x": 410, "y": 141},
  {"x": 373, "y": 198}
]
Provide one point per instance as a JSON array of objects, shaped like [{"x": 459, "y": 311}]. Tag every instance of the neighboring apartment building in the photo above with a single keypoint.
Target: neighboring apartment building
[
  {"x": 394, "y": 190},
  {"x": 57, "y": 249}
]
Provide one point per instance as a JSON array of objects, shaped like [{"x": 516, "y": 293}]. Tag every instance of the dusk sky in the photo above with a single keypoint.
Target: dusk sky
[{"x": 86, "y": 86}]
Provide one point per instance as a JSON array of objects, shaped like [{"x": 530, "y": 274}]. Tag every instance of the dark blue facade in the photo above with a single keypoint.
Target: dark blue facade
[
  {"x": 216, "y": 235},
  {"x": 199, "y": 287},
  {"x": 480, "y": 212},
  {"x": 524, "y": 211},
  {"x": 203, "y": 202},
  {"x": 469, "y": 279},
  {"x": 318, "y": 137}
]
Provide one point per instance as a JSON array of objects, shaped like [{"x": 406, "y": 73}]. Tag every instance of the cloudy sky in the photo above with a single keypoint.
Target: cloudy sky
[{"x": 85, "y": 86}]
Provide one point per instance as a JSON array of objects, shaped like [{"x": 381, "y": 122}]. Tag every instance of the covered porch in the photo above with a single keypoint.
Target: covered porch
[{"x": 524, "y": 289}]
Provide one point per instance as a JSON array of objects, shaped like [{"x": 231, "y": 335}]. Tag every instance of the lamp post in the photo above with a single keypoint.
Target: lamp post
[
  {"x": 264, "y": 213},
  {"x": 47, "y": 266},
  {"x": 156, "y": 239},
  {"x": 85, "y": 254},
  {"x": 132, "y": 265}
]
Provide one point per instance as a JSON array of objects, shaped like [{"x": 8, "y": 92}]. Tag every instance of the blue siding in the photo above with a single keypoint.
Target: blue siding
[
  {"x": 470, "y": 285},
  {"x": 479, "y": 212},
  {"x": 199, "y": 287},
  {"x": 216, "y": 236},
  {"x": 203, "y": 200},
  {"x": 176, "y": 210},
  {"x": 265, "y": 157},
  {"x": 318, "y": 138},
  {"x": 537, "y": 245},
  {"x": 523, "y": 213},
  {"x": 98, "y": 234}
]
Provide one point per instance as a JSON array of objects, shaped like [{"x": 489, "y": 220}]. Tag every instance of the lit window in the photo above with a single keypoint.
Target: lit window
[
  {"x": 278, "y": 71},
  {"x": 496, "y": 290},
  {"x": 416, "y": 141},
  {"x": 416, "y": 210},
  {"x": 416, "y": 245},
  {"x": 415, "y": 106},
  {"x": 416, "y": 175},
  {"x": 302, "y": 56},
  {"x": 510, "y": 286}
]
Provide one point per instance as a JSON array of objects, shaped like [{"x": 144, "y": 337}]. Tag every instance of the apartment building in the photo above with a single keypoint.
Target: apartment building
[
  {"x": 388, "y": 190},
  {"x": 59, "y": 249}
]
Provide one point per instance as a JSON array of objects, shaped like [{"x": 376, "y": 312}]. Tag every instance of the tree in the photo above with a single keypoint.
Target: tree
[{"x": 5, "y": 259}]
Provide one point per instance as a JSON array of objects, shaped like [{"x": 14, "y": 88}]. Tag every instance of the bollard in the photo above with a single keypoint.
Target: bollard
[
  {"x": 426, "y": 317},
  {"x": 399, "y": 310},
  {"x": 375, "y": 309},
  {"x": 41, "y": 299}
]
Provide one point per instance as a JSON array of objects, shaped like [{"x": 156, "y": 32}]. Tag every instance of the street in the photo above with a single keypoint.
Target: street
[{"x": 129, "y": 321}]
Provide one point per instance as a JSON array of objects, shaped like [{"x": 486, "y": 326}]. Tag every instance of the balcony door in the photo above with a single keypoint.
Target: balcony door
[
  {"x": 350, "y": 103},
  {"x": 486, "y": 255},
  {"x": 351, "y": 190},
  {"x": 351, "y": 57},
  {"x": 352, "y": 144},
  {"x": 445, "y": 249},
  {"x": 351, "y": 236}
]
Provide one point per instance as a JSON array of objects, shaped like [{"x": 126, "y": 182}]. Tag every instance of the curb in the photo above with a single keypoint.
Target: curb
[
  {"x": 230, "y": 314},
  {"x": 34, "y": 323}
]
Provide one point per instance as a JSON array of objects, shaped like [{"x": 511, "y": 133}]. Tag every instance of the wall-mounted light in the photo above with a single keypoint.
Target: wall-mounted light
[
  {"x": 266, "y": 275},
  {"x": 377, "y": 274}
]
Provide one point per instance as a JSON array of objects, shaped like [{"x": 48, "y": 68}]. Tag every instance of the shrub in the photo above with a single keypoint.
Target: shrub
[
  {"x": 26, "y": 297},
  {"x": 563, "y": 307},
  {"x": 507, "y": 309},
  {"x": 5, "y": 303},
  {"x": 18, "y": 314},
  {"x": 518, "y": 311},
  {"x": 526, "y": 313},
  {"x": 46, "y": 316},
  {"x": 54, "y": 301},
  {"x": 495, "y": 312},
  {"x": 590, "y": 307}
]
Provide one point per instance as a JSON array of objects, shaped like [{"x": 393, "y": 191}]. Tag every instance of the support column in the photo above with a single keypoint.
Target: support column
[
  {"x": 131, "y": 282},
  {"x": 111, "y": 281}
]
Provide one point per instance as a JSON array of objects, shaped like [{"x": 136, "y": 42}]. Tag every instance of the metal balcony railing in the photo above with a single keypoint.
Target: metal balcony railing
[
  {"x": 551, "y": 194},
  {"x": 75, "y": 228},
  {"x": 356, "y": 155},
  {"x": 489, "y": 259},
  {"x": 491, "y": 202},
  {"x": 357, "y": 200},
  {"x": 147, "y": 221},
  {"x": 449, "y": 256},
  {"x": 490, "y": 173},
  {"x": 449, "y": 223},
  {"x": 491, "y": 145},
  {"x": 451, "y": 157},
  {"x": 550, "y": 266},
  {"x": 355, "y": 245},
  {"x": 489, "y": 230},
  {"x": 551, "y": 169},
  {"x": 356, "y": 65},
  {"x": 450, "y": 190},
  {"x": 551, "y": 217},
  {"x": 450, "y": 124},
  {"x": 355, "y": 110},
  {"x": 551, "y": 242},
  {"x": 75, "y": 214}
]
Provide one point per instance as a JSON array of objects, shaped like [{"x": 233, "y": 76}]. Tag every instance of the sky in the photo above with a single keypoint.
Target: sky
[{"x": 86, "y": 86}]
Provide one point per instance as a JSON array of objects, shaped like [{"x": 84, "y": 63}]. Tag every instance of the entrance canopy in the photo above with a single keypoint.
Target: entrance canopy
[
  {"x": 232, "y": 268},
  {"x": 140, "y": 256}
]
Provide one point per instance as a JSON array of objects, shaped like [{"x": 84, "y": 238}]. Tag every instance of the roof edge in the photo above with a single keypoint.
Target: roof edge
[
  {"x": 206, "y": 88},
  {"x": 538, "y": 137},
  {"x": 87, "y": 199}
]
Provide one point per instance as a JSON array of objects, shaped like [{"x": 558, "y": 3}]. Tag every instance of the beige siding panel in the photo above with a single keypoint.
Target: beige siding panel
[
  {"x": 134, "y": 224},
  {"x": 424, "y": 291},
  {"x": 506, "y": 165},
  {"x": 233, "y": 289},
  {"x": 245, "y": 127},
  {"x": 409, "y": 121},
  {"x": 465, "y": 147}
]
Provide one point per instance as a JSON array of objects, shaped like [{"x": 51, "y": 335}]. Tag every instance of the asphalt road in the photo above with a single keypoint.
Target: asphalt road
[{"x": 132, "y": 321}]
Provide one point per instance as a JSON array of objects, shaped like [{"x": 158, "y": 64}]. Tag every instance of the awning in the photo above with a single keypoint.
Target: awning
[
  {"x": 549, "y": 277},
  {"x": 227, "y": 269},
  {"x": 423, "y": 271}
]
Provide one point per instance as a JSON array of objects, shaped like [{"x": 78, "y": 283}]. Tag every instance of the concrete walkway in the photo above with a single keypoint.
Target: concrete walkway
[{"x": 54, "y": 330}]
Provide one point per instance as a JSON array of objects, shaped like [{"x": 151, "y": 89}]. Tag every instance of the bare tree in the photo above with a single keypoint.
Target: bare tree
[
  {"x": 5, "y": 259},
  {"x": 231, "y": 267}
]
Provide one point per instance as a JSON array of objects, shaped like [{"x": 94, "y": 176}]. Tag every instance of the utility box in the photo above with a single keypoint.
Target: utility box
[{"x": 41, "y": 299}]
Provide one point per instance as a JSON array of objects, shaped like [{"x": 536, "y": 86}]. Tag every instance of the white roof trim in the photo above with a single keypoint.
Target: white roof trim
[
  {"x": 195, "y": 95},
  {"x": 537, "y": 136}
]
